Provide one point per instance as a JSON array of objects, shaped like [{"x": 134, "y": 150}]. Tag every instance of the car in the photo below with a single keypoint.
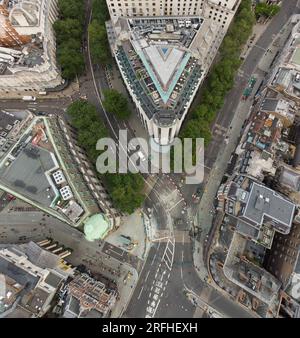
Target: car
[{"x": 41, "y": 113}]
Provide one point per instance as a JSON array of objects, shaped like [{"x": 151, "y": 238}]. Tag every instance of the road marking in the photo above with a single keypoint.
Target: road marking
[
  {"x": 264, "y": 49},
  {"x": 147, "y": 275},
  {"x": 153, "y": 259},
  {"x": 140, "y": 293},
  {"x": 175, "y": 205},
  {"x": 156, "y": 308}
]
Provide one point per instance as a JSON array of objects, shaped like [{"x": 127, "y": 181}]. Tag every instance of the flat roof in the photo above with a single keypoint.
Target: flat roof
[
  {"x": 164, "y": 73},
  {"x": 53, "y": 279},
  {"x": 296, "y": 56},
  {"x": 264, "y": 202},
  {"x": 26, "y": 174},
  {"x": 21, "y": 276},
  {"x": 269, "y": 104}
]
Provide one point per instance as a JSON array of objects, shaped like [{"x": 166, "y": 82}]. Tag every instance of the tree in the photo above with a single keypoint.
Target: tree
[
  {"x": 221, "y": 77},
  {"x": 67, "y": 29},
  {"x": 126, "y": 191},
  {"x": 71, "y": 62},
  {"x": 99, "y": 45},
  {"x": 100, "y": 11},
  {"x": 116, "y": 103},
  {"x": 69, "y": 32},
  {"x": 265, "y": 10},
  {"x": 73, "y": 9}
]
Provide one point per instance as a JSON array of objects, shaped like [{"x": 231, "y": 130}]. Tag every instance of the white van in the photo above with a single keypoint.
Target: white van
[
  {"x": 28, "y": 98},
  {"x": 141, "y": 156}
]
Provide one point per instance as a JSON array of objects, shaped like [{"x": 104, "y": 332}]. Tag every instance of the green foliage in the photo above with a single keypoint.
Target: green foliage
[
  {"x": 265, "y": 10},
  {"x": 221, "y": 78},
  {"x": 85, "y": 118},
  {"x": 124, "y": 189},
  {"x": 73, "y": 9},
  {"x": 99, "y": 45},
  {"x": 116, "y": 103},
  {"x": 100, "y": 11},
  {"x": 71, "y": 61},
  {"x": 69, "y": 30}
]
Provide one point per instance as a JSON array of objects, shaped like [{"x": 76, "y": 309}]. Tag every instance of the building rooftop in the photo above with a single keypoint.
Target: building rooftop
[
  {"x": 154, "y": 56},
  {"x": 27, "y": 174},
  {"x": 264, "y": 205},
  {"x": 290, "y": 178},
  {"x": 296, "y": 56},
  {"x": 96, "y": 227},
  {"x": 16, "y": 273}
]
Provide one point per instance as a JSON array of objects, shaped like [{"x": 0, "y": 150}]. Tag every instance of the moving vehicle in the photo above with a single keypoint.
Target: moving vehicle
[{"x": 28, "y": 98}]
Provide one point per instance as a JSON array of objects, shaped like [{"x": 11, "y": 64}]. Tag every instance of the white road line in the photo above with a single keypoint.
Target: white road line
[
  {"x": 147, "y": 275},
  {"x": 156, "y": 308},
  {"x": 117, "y": 253},
  {"x": 140, "y": 293},
  {"x": 153, "y": 259},
  {"x": 175, "y": 205},
  {"x": 171, "y": 250}
]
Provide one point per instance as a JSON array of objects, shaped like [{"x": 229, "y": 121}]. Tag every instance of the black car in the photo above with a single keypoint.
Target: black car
[{"x": 41, "y": 113}]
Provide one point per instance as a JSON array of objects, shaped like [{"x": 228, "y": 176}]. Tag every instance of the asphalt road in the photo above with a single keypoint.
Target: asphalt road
[
  {"x": 173, "y": 302},
  {"x": 178, "y": 266}
]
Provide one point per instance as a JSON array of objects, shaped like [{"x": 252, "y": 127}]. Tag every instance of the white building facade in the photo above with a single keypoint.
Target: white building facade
[
  {"x": 33, "y": 19},
  {"x": 214, "y": 18}
]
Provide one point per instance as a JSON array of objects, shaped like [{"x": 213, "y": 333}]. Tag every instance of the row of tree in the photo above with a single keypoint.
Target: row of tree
[
  {"x": 221, "y": 78},
  {"x": 117, "y": 104},
  {"x": 266, "y": 10},
  {"x": 99, "y": 46},
  {"x": 69, "y": 31},
  {"x": 125, "y": 190}
]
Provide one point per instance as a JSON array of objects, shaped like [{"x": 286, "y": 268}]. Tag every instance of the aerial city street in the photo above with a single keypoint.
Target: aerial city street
[{"x": 82, "y": 235}]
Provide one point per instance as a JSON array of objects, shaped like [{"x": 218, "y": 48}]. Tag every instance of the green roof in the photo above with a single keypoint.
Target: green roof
[{"x": 96, "y": 227}]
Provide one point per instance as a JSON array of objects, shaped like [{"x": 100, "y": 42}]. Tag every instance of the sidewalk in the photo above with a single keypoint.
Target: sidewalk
[
  {"x": 72, "y": 89},
  {"x": 132, "y": 226},
  {"x": 204, "y": 218}
]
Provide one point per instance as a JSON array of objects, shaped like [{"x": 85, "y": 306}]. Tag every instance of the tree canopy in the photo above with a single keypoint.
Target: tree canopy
[
  {"x": 125, "y": 190},
  {"x": 221, "y": 78},
  {"x": 116, "y": 103},
  {"x": 266, "y": 10},
  {"x": 73, "y": 9},
  {"x": 99, "y": 45},
  {"x": 69, "y": 30}
]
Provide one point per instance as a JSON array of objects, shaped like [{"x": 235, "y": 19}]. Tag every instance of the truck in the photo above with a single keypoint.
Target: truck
[{"x": 28, "y": 98}]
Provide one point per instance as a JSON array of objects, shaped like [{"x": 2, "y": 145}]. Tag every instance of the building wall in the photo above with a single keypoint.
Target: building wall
[
  {"x": 47, "y": 74},
  {"x": 222, "y": 10},
  {"x": 218, "y": 15}
]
